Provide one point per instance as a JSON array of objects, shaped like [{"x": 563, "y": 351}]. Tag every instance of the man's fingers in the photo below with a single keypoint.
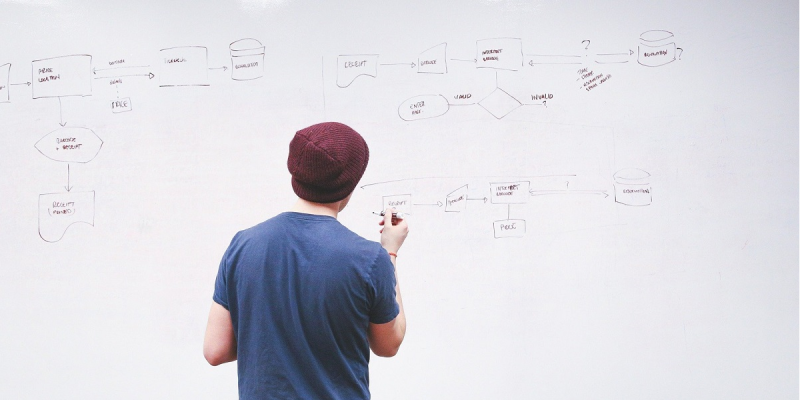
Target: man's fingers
[{"x": 387, "y": 216}]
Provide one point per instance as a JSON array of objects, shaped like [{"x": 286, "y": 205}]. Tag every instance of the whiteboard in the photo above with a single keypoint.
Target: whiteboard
[{"x": 603, "y": 197}]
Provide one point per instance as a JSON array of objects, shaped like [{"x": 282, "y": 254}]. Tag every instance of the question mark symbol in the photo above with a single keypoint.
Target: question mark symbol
[
  {"x": 588, "y": 42},
  {"x": 681, "y": 52}
]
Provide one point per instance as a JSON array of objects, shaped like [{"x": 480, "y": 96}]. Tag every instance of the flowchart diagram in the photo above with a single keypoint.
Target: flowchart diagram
[
  {"x": 631, "y": 187},
  {"x": 656, "y": 48},
  {"x": 77, "y": 75},
  {"x": 74, "y": 76}
]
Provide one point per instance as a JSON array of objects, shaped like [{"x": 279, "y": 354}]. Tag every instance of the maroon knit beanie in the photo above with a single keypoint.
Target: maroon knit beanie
[{"x": 326, "y": 161}]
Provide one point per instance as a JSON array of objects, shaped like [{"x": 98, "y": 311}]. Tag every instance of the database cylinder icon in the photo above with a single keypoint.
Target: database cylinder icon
[
  {"x": 656, "y": 48},
  {"x": 247, "y": 60},
  {"x": 632, "y": 187}
]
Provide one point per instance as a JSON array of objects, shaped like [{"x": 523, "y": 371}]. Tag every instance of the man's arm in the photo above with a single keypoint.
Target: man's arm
[
  {"x": 385, "y": 339},
  {"x": 219, "y": 345}
]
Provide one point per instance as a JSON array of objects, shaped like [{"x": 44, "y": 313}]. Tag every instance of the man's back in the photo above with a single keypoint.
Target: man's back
[{"x": 301, "y": 290}]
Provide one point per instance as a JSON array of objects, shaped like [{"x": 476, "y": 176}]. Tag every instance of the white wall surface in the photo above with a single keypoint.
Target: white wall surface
[{"x": 684, "y": 289}]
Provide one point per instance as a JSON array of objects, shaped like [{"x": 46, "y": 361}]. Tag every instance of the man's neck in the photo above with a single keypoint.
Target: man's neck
[{"x": 308, "y": 207}]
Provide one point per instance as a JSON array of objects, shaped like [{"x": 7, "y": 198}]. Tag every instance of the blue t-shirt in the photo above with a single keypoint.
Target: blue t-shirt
[{"x": 302, "y": 290}]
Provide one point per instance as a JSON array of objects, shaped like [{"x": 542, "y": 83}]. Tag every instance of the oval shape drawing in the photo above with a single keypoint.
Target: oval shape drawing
[
  {"x": 424, "y": 106},
  {"x": 244, "y": 47},
  {"x": 73, "y": 144},
  {"x": 632, "y": 176},
  {"x": 655, "y": 36}
]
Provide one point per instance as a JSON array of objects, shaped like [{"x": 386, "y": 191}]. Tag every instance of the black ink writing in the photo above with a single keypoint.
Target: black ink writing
[
  {"x": 355, "y": 64},
  {"x": 248, "y": 65}
]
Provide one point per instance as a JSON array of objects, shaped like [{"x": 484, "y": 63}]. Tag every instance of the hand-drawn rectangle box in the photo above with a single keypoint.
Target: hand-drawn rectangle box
[
  {"x": 121, "y": 105},
  {"x": 502, "y": 53},
  {"x": 62, "y": 76},
  {"x": 400, "y": 202},
  {"x": 510, "y": 192},
  {"x": 5, "y": 70},
  {"x": 184, "y": 66},
  {"x": 509, "y": 228}
]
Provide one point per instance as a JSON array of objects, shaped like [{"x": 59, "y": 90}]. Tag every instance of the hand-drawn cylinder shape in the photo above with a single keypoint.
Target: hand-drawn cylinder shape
[
  {"x": 247, "y": 60},
  {"x": 424, "y": 106},
  {"x": 632, "y": 187},
  {"x": 656, "y": 48},
  {"x": 72, "y": 144}
]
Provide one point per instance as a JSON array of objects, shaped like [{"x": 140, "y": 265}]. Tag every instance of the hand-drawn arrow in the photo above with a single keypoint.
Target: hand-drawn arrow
[
  {"x": 68, "y": 187},
  {"x": 224, "y": 68},
  {"x": 458, "y": 59},
  {"x": 484, "y": 199},
  {"x": 437, "y": 204},
  {"x": 549, "y": 192},
  {"x": 543, "y": 103},
  {"x": 629, "y": 53},
  {"x": 22, "y": 83},
  {"x": 150, "y": 75},
  {"x": 563, "y": 62},
  {"x": 411, "y": 64},
  {"x": 94, "y": 70},
  {"x": 60, "y": 114}
]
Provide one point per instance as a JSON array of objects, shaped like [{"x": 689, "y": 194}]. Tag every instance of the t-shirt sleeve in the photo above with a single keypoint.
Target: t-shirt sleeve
[
  {"x": 384, "y": 305},
  {"x": 221, "y": 284}
]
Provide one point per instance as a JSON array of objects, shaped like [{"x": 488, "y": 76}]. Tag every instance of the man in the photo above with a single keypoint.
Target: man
[{"x": 299, "y": 299}]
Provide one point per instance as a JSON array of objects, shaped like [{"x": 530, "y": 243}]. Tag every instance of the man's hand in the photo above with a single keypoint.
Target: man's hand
[
  {"x": 385, "y": 339},
  {"x": 394, "y": 231}
]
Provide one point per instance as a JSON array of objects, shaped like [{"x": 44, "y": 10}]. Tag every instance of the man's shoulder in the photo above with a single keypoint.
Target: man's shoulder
[{"x": 309, "y": 227}]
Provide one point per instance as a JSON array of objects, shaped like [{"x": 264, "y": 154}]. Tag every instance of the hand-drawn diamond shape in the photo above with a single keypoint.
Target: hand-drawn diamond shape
[{"x": 499, "y": 103}]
